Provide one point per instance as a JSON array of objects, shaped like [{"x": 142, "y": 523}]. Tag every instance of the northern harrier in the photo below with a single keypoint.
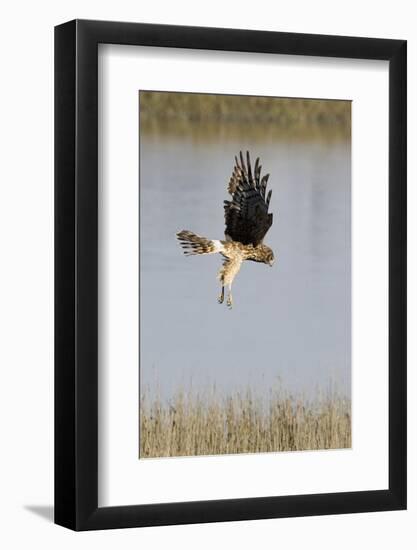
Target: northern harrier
[{"x": 247, "y": 222}]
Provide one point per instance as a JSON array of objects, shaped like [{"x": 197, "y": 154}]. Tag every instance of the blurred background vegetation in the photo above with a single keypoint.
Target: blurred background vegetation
[{"x": 207, "y": 115}]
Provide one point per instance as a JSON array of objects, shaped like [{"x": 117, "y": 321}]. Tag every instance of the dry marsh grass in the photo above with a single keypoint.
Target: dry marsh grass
[{"x": 191, "y": 425}]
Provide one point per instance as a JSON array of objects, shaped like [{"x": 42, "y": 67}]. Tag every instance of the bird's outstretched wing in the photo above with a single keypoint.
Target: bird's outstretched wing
[{"x": 246, "y": 215}]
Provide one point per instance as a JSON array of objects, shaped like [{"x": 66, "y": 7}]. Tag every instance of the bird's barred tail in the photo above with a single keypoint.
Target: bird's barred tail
[{"x": 194, "y": 244}]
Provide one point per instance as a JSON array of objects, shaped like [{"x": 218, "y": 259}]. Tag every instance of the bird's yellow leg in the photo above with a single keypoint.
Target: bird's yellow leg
[
  {"x": 221, "y": 297},
  {"x": 229, "y": 301}
]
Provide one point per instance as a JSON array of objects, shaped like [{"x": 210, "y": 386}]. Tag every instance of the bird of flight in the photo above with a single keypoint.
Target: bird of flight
[{"x": 247, "y": 222}]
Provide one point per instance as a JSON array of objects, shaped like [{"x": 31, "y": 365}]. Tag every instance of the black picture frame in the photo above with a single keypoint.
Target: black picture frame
[{"x": 76, "y": 272}]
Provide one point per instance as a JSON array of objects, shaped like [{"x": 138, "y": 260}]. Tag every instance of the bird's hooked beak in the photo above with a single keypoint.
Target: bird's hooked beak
[{"x": 271, "y": 263}]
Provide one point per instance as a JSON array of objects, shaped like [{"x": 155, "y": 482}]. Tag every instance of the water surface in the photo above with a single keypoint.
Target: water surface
[{"x": 290, "y": 323}]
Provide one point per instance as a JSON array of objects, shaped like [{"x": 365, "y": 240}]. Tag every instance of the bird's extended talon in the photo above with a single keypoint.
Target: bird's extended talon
[
  {"x": 229, "y": 302},
  {"x": 220, "y": 299}
]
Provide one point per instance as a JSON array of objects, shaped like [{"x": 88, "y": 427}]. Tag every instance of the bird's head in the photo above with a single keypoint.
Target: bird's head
[
  {"x": 266, "y": 255},
  {"x": 270, "y": 258}
]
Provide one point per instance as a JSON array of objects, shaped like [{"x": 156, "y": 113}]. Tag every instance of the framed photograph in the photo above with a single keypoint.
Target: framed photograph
[{"x": 230, "y": 255}]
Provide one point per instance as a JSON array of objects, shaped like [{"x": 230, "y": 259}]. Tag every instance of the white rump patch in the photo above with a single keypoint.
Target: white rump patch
[{"x": 218, "y": 247}]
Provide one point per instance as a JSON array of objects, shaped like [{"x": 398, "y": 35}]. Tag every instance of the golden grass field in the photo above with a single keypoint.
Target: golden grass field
[{"x": 191, "y": 425}]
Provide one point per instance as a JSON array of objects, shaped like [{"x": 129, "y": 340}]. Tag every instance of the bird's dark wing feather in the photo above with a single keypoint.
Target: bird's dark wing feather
[{"x": 246, "y": 215}]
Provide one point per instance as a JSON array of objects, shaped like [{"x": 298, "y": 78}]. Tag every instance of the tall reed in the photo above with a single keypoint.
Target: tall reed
[{"x": 192, "y": 424}]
